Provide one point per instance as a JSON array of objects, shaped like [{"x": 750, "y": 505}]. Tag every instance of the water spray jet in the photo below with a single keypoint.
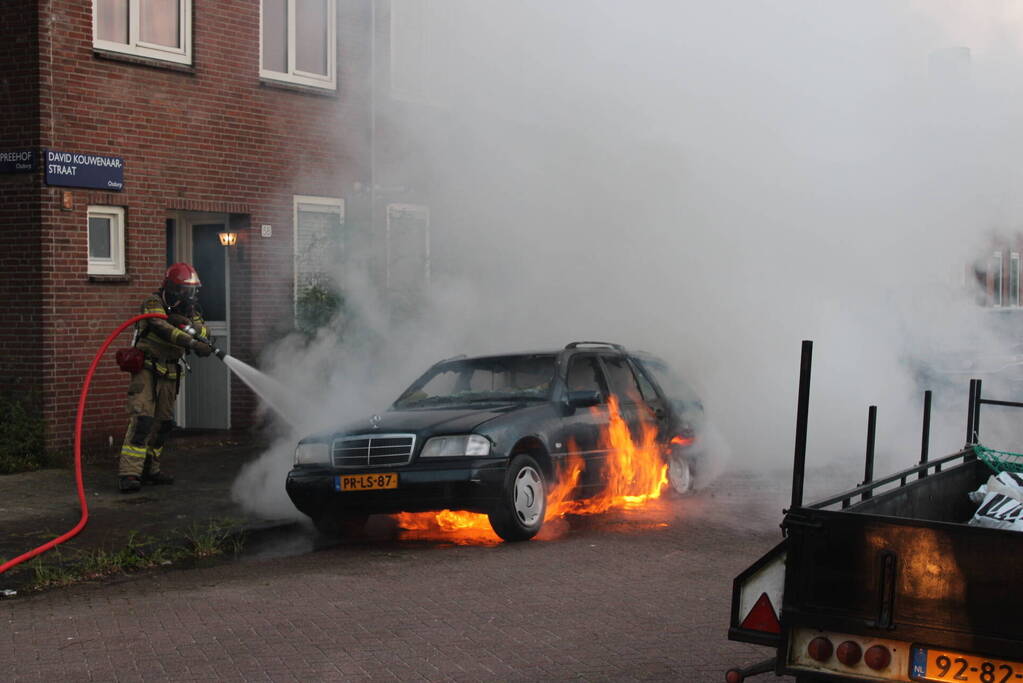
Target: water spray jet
[{"x": 272, "y": 392}]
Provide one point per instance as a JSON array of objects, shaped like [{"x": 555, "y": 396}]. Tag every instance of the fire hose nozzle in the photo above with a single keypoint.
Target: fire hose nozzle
[{"x": 218, "y": 352}]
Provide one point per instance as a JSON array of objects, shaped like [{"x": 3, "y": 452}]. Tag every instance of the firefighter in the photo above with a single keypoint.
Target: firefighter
[{"x": 154, "y": 389}]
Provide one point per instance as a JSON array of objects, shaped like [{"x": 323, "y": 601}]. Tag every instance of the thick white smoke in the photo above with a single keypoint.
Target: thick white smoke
[{"x": 712, "y": 182}]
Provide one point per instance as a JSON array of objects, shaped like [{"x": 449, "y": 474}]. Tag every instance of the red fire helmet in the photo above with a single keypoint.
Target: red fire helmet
[
  {"x": 182, "y": 283},
  {"x": 181, "y": 274}
]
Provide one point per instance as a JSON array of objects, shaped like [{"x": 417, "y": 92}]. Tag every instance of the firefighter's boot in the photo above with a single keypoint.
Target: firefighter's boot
[
  {"x": 157, "y": 478},
  {"x": 130, "y": 484}
]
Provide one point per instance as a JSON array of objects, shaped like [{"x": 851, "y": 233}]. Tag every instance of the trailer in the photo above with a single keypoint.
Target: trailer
[{"x": 886, "y": 581}]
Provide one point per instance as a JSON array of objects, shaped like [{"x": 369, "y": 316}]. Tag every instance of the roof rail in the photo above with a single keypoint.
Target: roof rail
[
  {"x": 577, "y": 344},
  {"x": 445, "y": 360}
]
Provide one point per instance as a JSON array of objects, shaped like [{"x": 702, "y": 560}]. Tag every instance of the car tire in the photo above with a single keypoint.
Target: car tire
[
  {"x": 680, "y": 474},
  {"x": 340, "y": 526},
  {"x": 519, "y": 513}
]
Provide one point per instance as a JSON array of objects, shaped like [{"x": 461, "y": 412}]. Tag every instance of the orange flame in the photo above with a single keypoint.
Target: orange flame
[
  {"x": 461, "y": 528},
  {"x": 634, "y": 473}
]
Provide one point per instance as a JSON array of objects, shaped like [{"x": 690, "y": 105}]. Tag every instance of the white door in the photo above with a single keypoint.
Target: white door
[{"x": 205, "y": 398}]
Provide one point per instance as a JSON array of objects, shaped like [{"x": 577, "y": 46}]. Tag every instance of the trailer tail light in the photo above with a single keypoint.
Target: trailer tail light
[
  {"x": 820, "y": 649},
  {"x": 877, "y": 657},
  {"x": 845, "y": 654},
  {"x": 849, "y": 653}
]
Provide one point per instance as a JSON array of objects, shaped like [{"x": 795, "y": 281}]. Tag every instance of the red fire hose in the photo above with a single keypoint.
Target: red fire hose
[{"x": 78, "y": 448}]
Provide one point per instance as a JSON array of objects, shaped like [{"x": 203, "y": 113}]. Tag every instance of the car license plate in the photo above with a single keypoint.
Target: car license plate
[
  {"x": 366, "y": 482},
  {"x": 941, "y": 665}
]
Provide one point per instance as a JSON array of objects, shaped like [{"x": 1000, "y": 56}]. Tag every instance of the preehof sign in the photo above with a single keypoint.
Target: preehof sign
[
  {"x": 17, "y": 161},
  {"x": 70, "y": 169}
]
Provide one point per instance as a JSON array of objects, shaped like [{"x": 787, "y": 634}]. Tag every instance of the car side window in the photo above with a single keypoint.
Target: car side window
[
  {"x": 646, "y": 389},
  {"x": 584, "y": 374},
  {"x": 621, "y": 380}
]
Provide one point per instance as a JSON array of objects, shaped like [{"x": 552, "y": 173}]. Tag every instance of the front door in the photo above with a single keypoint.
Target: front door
[{"x": 205, "y": 398}]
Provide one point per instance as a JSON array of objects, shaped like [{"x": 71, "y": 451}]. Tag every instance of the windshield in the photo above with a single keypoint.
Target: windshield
[{"x": 472, "y": 380}]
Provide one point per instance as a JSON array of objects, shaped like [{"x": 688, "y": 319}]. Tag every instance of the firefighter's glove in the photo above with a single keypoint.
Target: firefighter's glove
[
  {"x": 177, "y": 320},
  {"x": 201, "y": 348}
]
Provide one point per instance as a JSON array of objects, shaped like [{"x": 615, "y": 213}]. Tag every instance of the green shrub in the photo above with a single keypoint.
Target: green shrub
[
  {"x": 317, "y": 306},
  {"x": 21, "y": 434}
]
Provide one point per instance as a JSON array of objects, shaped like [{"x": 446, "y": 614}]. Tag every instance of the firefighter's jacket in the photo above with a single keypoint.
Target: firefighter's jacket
[{"x": 162, "y": 343}]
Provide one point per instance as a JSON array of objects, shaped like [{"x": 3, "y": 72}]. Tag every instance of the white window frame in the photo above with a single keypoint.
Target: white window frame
[
  {"x": 115, "y": 264},
  {"x": 293, "y": 75},
  {"x": 136, "y": 47},
  {"x": 329, "y": 205},
  {"x": 1014, "y": 274}
]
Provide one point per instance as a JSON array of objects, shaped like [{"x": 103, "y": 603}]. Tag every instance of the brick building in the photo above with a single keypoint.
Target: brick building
[{"x": 133, "y": 133}]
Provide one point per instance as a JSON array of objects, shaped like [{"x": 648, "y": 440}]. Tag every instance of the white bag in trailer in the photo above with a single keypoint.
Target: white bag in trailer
[
  {"x": 1009, "y": 483},
  {"x": 1001, "y": 502}
]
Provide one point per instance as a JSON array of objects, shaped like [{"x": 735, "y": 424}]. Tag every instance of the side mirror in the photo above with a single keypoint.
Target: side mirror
[{"x": 584, "y": 399}]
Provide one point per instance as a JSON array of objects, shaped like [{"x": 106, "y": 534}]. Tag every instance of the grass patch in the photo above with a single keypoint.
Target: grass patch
[
  {"x": 200, "y": 541},
  {"x": 215, "y": 538}
]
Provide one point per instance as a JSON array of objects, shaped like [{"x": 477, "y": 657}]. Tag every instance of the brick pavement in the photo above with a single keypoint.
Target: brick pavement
[{"x": 622, "y": 597}]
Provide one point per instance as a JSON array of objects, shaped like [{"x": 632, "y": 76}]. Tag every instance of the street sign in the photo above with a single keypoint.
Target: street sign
[
  {"x": 73, "y": 169},
  {"x": 17, "y": 161}
]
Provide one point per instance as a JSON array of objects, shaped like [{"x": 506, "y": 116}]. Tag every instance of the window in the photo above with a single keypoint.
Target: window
[
  {"x": 319, "y": 242},
  {"x": 646, "y": 388},
  {"x": 106, "y": 240},
  {"x": 584, "y": 375},
  {"x": 408, "y": 247},
  {"x": 297, "y": 42},
  {"x": 622, "y": 381},
  {"x": 160, "y": 29}
]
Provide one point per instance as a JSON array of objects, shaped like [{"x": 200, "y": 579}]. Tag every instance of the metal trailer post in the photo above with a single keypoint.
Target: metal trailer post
[
  {"x": 971, "y": 412},
  {"x": 925, "y": 437},
  {"x": 802, "y": 414},
  {"x": 976, "y": 414},
  {"x": 868, "y": 468}
]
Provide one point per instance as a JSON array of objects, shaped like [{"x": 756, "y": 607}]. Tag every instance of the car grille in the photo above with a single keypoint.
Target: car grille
[{"x": 374, "y": 450}]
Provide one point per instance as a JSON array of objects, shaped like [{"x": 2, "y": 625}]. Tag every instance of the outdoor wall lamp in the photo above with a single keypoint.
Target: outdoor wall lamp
[{"x": 228, "y": 239}]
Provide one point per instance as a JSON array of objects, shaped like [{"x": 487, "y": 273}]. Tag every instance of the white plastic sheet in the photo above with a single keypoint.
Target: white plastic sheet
[{"x": 1000, "y": 502}]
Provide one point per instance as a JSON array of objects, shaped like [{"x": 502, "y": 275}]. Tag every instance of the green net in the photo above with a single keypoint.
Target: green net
[{"x": 999, "y": 461}]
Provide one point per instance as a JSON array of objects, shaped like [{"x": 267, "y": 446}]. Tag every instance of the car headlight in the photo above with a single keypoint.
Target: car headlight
[
  {"x": 454, "y": 446},
  {"x": 312, "y": 454}
]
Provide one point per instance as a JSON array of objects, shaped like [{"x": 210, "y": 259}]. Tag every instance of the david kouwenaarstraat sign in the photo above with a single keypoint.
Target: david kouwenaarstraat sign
[
  {"x": 73, "y": 169},
  {"x": 17, "y": 161}
]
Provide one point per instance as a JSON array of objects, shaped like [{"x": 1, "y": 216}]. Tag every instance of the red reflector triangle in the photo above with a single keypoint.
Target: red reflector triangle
[{"x": 762, "y": 617}]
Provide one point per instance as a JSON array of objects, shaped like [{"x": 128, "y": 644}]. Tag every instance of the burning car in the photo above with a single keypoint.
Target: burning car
[{"x": 504, "y": 436}]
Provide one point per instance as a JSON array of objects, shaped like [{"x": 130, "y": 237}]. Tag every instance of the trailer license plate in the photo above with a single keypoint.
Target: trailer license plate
[
  {"x": 366, "y": 482},
  {"x": 941, "y": 665}
]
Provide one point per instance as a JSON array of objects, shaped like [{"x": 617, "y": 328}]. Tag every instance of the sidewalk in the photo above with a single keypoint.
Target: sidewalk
[{"x": 36, "y": 507}]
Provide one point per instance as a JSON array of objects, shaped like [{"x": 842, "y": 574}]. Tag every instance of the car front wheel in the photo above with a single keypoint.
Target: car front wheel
[{"x": 519, "y": 513}]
